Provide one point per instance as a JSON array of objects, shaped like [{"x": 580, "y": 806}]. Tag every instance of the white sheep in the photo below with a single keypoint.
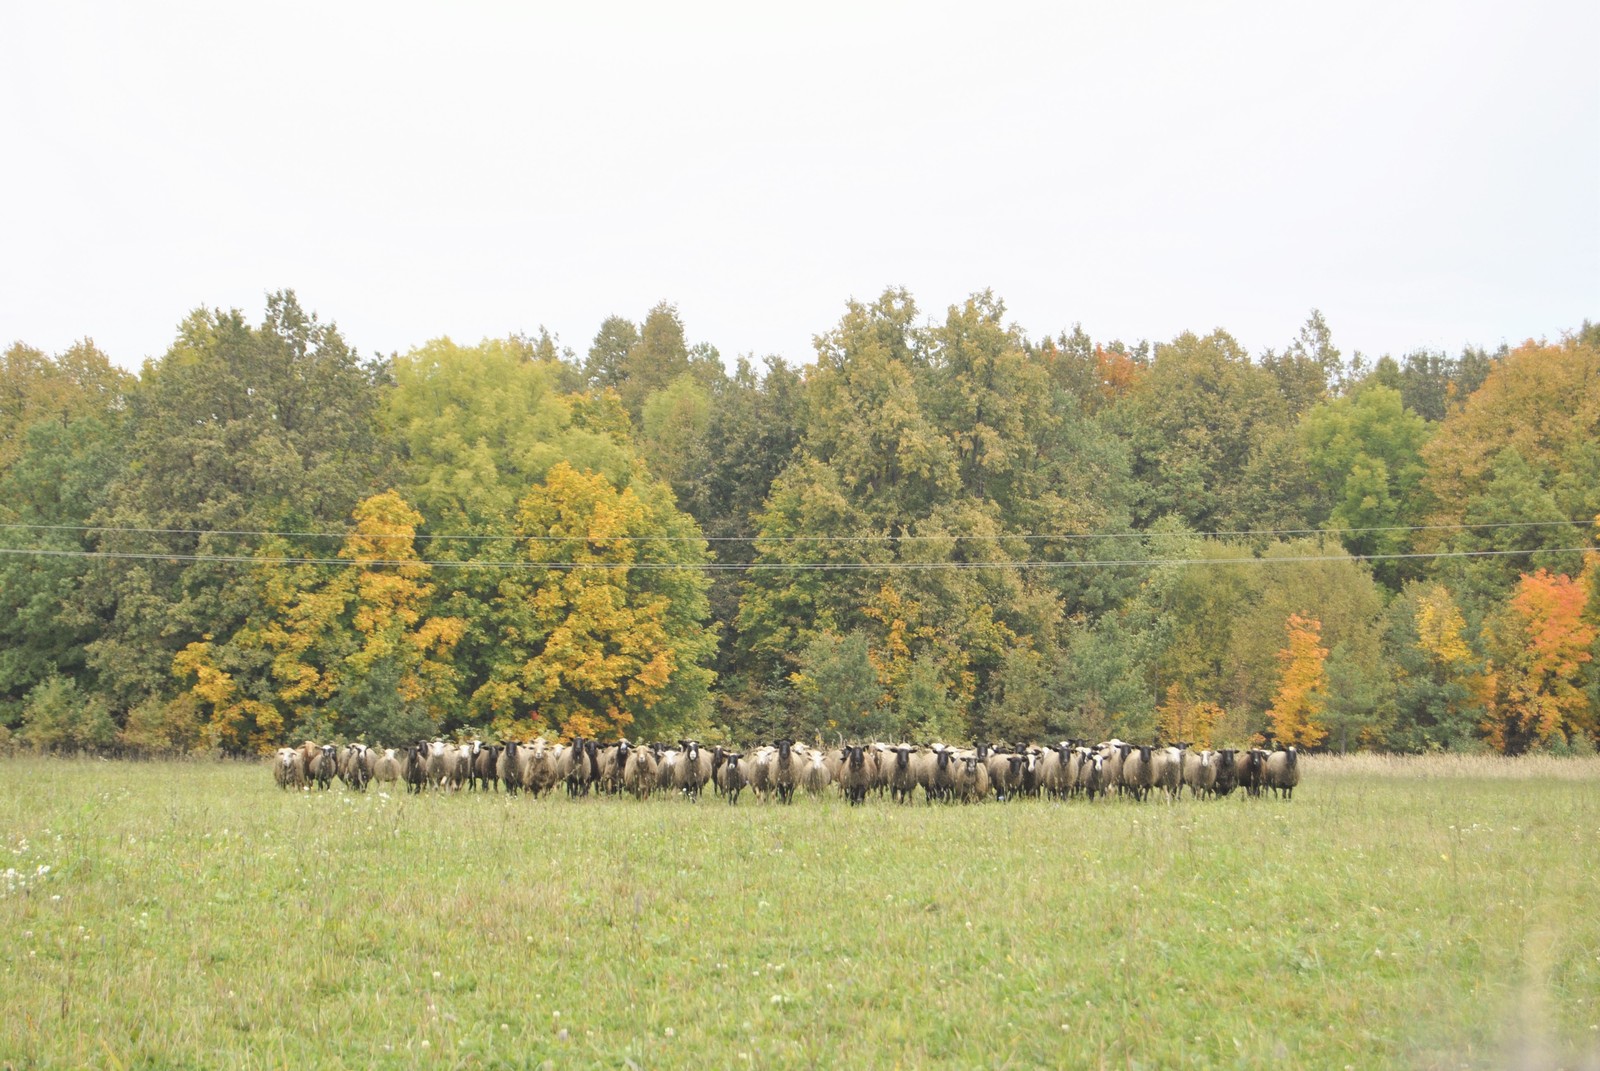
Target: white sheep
[
  {"x": 693, "y": 769},
  {"x": 639, "y": 773},
  {"x": 815, "y": 777},
  {"x": 386, "y": 770},
  {"x": 1200, "y": 771},
  {"x": 289, "y": 769}
]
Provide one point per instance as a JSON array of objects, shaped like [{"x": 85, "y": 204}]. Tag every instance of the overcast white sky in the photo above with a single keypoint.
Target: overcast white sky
[{"x": 1427, "y": 174}]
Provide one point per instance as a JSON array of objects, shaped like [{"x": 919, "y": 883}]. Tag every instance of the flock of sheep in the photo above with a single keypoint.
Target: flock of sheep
[{"x": 1073, "y": 768}]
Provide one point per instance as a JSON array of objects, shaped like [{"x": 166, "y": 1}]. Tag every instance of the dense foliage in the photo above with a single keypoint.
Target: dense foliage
[{"x": 938, "y": 528}]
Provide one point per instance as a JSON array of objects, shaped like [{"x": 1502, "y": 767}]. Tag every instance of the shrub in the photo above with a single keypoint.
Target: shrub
[{"x": 58, "y": 716}]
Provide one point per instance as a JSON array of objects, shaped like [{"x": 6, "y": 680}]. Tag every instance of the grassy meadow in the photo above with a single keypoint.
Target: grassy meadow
[{"x": 1418, "y": 914}]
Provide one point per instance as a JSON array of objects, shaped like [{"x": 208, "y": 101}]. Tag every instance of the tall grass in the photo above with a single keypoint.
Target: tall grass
[
  {"x": 195, "y": 915},
  {"x": 1475, "y": 767}
]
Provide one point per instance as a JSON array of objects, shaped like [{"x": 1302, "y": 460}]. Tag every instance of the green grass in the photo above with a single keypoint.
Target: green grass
[{"x": 195, "y": 915}]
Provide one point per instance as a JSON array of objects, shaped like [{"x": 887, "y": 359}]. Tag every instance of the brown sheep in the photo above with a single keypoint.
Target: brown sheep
[
  {"x": 855, "y": 774},
  {"x": 1282, "y": 772}
]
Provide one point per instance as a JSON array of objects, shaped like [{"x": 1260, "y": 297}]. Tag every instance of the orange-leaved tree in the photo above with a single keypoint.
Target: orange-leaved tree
[
  {"x": 1540, "y": 641},
  {"x": 1301, "y": 697}
]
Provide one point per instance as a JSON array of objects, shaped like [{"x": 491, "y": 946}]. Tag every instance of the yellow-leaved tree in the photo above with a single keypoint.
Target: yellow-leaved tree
[
  {"x": 1300, "y": 697},
  {"x": 594, "y": 634},
  {"x": 1180, "y": 718},
  {"x": 346, "y": 651},
  {"x": 400, "y": 663}
]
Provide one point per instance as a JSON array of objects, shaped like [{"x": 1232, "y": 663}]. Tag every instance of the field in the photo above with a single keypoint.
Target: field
[{"x": 1393, "y": 914}]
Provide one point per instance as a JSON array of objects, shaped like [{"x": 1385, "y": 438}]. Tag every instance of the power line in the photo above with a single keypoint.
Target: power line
[
  {"x": 867, "y": 538},
  {"x": 750, "y": 567}
]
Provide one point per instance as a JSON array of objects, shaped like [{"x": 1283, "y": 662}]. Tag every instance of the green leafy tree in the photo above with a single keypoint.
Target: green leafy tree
[
  {"x": 808, "y": 522},
  {"x": 607, "y": 364},
  {"x": 59, "y": 429},
  {"x": 1514, "y": 524},
  {"x": 946, "y": 455},
  {"x": 1022, "y": 704},
  {"x": 1109, "y": 681},
  {"x": 235, "y": 429},
  {"x": 1365, "y": 449},
  {"x": 927, "y": 710},
  {"x": 1431, "y": 383},
  {"x": 1194, "y": 423},
  {"x": 1436, "y": 672},
  {"x": 673, "y": 434},
  {"x": 838, "y": 688},
  {"x": 1309, "y": 367},
  {"x": 53, "y": 486},
  {"x": 1360, "y": 706},
  {"x": 639, "y": 362},
  {"x": 753, "y": 428},
  {"x": 866, "y": 419}
]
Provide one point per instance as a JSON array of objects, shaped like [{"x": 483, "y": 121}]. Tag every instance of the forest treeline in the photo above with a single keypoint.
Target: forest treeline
[{"x": 937, "y": 528}]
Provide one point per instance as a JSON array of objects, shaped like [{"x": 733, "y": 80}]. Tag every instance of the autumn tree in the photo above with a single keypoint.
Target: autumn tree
[
  {"x": 605, "y": 622},
  {"x": 1518, "y": 457},
  {"x": 1181, "y": 718},
  {"x": 1437, "y": 674},
  {"x": 1200, "y": 598},
  {"x": 1539, "y": 400},
  {"x": 481, "y": 427},
  {"x": 1301, "y": 696},
  {"x": 477, "y": 425},
  {"x": 398, "y": 674},
  {"x": 1316, "y": 579},
  {"x": 1540, "y": 643},
  {"x": 345, "y": 650},
  {"x": 1096, "y": 375},
  {"x": 34, "y": 387}
]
